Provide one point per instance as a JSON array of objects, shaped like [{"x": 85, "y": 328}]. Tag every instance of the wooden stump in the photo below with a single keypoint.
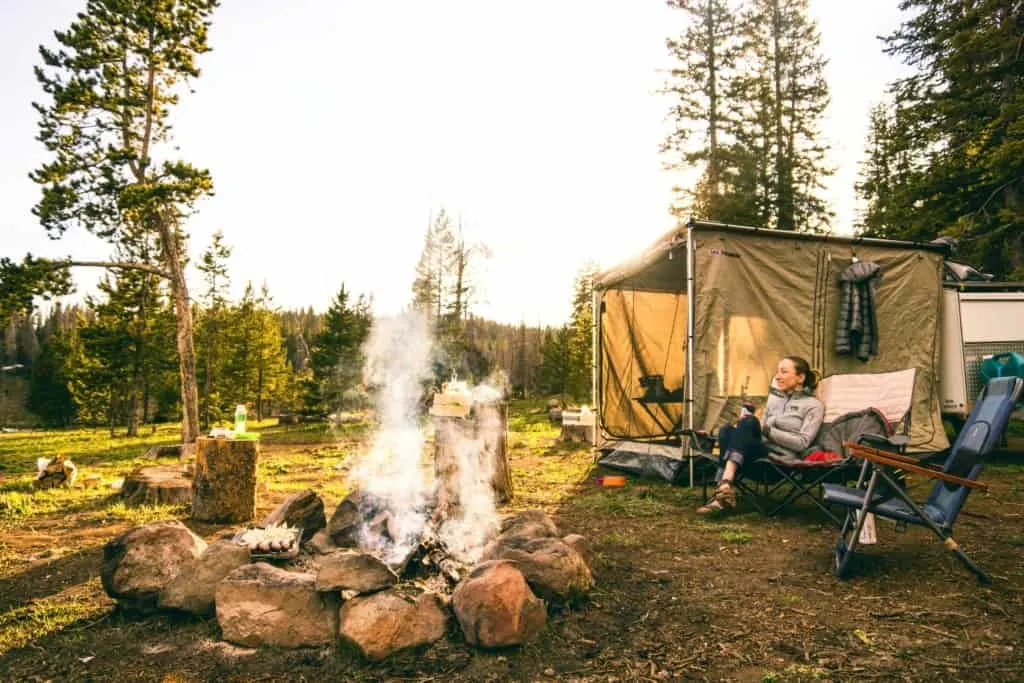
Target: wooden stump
[
  {"x": 224, "y": 483},
  {"x": 492, "y": 421},
  {"x": 160, "y": 485},
  {"x": 488, "y": 425}
]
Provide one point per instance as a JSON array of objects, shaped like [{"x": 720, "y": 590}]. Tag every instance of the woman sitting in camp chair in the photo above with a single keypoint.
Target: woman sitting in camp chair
[{"x": 792, "y": 417}]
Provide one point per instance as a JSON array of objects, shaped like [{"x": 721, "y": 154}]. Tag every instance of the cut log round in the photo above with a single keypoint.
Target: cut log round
[
  {"x": 224, "y": 483},
  {"x": 158, "y": 485}
]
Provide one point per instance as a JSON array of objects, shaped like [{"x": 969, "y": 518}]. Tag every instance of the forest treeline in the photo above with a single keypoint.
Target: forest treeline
[{"x": 112, "y": 360}]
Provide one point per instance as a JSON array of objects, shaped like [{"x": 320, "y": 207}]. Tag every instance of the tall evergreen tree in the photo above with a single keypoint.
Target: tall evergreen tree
[
  {"x": 337, "y": 354},
  {"x": 433, "y": 272},
  {"x": 705, "y": 57},
  {"x": 786, "y": 95},
  {"x": 581, "y": 343},
  {"x": 111, "y": 83},
  {"x": 959, "y": 120},
  {"x": 213, "y": 321}
]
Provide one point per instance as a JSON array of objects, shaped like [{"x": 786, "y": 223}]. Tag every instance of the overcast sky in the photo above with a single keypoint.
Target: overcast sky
[{"x": 335, "y": 128}]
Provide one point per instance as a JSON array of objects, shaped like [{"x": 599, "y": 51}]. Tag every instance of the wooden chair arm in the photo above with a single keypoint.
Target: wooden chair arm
[{"x": 902, "y": 462}]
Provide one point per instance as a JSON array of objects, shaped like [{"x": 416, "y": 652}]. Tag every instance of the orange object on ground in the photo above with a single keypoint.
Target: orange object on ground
[{"x": 611, "y": 481}]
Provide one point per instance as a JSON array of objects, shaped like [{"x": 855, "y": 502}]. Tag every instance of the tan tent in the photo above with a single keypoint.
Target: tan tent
[{"x": 697, "y": 323}]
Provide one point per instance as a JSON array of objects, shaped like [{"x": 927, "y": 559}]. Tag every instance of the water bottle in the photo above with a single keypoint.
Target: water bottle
[{"x": 240, "y": 418}]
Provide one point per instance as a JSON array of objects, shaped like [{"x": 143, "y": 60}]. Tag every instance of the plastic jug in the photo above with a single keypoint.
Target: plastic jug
[
  {"x": 1008, "y": 364},
  {"x": 239, "y": 418}
]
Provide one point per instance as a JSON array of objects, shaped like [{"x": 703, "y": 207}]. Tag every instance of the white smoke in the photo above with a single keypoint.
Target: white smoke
[
  {"x": 398, "y": 364},
  {"x": 474, "y": 521}
]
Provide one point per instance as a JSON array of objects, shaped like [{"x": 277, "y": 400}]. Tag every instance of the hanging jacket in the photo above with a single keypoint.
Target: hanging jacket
[{"x": 857, "y": 330}]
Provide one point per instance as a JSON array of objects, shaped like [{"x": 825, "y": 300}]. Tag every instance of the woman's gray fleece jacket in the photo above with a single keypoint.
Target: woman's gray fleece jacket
[{"x": 792, "y": 421}]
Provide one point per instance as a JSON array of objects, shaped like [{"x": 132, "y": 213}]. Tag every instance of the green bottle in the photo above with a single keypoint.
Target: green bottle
[{"x": 240, "y": 418}]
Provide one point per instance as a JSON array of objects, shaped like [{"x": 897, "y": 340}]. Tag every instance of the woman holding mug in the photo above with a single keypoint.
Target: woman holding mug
[{"x": 792, "y": 417}]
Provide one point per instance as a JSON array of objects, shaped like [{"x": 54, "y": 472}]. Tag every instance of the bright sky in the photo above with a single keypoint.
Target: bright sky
[{"x": 334, "y": 128}]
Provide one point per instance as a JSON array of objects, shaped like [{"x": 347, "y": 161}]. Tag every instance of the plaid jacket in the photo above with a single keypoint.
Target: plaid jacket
[{"x": 857, "y": 330}]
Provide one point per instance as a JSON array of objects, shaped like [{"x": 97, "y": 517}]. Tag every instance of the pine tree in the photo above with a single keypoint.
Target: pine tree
[
  {"x": 959, "y": 120},
  {"x": 785, "y": 94},
  {"x": 337, "y": 355},
  {"x": 581, "y": 343},
  {"x": 555, "y": 370},
  {"x": 50, "y": 396},
  {"x": 706, "y": 55},
  {"x": 111, "y": 84},
  {"x": 213, "y": 320},
  {"x": 433, "y": 272}
]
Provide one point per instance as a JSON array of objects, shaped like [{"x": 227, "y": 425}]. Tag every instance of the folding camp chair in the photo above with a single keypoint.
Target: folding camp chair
[
  {"x": 885, "y": 498},
  {"x": 869, "y": 408}
]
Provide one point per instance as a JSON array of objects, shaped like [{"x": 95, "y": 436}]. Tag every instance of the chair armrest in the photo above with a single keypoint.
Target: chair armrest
[{"x": 907, "y": 464}]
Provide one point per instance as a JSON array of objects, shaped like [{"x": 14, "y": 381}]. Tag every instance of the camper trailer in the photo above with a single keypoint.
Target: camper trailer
[
  {"x": 982, "y": 323},
  {"x": 692, "y": 329}
]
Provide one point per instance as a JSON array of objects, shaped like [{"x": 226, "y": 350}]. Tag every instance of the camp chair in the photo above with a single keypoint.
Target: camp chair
[
  {"x": 885, "y": 498},
  {"x": 868, "y": 408}
]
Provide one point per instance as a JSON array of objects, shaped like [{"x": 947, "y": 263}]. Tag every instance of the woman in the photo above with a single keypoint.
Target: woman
[{"x": 792, "y": 417}]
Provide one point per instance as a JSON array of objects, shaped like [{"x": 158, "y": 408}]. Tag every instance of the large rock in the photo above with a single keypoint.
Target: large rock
[
  {"x": 384, "y": 623},
  {"x": 518, "y": 530},
  {"x": 528, "y": 524},
  {"x": 321, "y": 543},
  {"x": 352, "y": 570},
  {"x": 139, "y": 563},
  {"x": 554, "y": 570},
  {"x": 194, "y": 588},
  {"x": 304, "y": 510},
  {"x": 348, "y": 518},
  {"x": 581, "y": 545},
  {"x": 496, "y": 608},
  {"x": 259, "y": 604}
]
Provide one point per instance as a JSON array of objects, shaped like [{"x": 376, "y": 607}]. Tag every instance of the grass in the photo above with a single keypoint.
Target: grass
[
  {"x": 27, "y": 623},
  {"x": 736, "y": 536}
]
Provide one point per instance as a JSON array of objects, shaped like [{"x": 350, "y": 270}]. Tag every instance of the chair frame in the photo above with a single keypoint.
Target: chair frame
[
  {"x": 881, "y": 463},
  {"x": 804, "y": 482}
]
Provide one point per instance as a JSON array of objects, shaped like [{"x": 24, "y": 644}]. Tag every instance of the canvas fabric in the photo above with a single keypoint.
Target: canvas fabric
[{"x": 759, "y": 297}]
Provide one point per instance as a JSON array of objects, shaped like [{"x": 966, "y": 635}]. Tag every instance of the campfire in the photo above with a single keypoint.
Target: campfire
[{"x": 400, "y": 555}]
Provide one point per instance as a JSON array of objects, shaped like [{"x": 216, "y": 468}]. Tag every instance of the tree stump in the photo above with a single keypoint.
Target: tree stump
[
  {"x": 488, "y": 426},
  {"x": 224, "y": 483},
  {"x": 160, "y": 485}
]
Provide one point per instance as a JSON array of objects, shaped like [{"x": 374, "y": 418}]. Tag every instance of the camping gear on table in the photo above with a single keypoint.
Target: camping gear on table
[
  {"x": 878, "y": 492},
  {"x": 711, "y": 308}
]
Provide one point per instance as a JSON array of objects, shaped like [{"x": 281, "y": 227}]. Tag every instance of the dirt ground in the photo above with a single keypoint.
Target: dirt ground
[{"x": 678, "y": 596}]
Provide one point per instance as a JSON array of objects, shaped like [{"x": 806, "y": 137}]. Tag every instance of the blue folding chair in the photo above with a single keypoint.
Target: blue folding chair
[{"x": 884, "y": 495}]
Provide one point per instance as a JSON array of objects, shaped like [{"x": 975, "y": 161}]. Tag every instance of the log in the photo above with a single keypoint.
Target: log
[
  {"x": 224, "y": 483},
  {"x": 488, "y": 425},
  {"x": 159, "y": 485}
]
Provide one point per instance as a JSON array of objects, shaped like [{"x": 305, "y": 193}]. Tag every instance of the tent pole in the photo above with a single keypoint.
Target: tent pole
[
  {"x": 595, "y": 363},
  {"x": 689, "y": 337}
]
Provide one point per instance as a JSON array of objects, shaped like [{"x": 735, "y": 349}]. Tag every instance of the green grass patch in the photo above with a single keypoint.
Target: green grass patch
[
  {"x": 620, "y": 504},
  {"x": 736, "y": 536},
  {"x": 140, "y": 514},
  {"x": 28, "y": 623},
  {"x": 624, "y": 540}
]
